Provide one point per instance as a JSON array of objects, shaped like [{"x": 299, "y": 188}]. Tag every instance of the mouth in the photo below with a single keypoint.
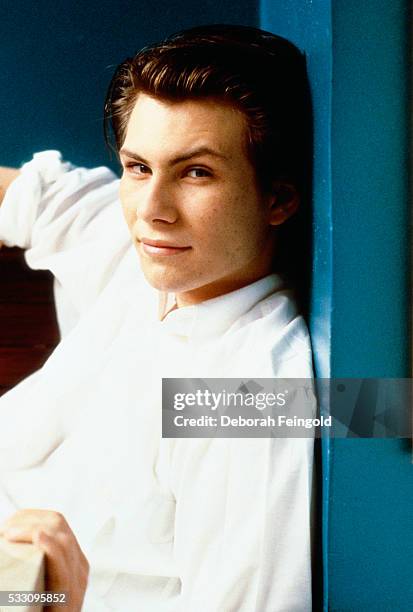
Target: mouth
[{"x": 161, "y": 247}]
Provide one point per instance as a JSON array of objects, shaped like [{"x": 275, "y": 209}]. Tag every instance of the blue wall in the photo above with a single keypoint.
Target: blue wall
[
  {"x": 57, "y": 57},
  {"x": 358, "y": 65}
]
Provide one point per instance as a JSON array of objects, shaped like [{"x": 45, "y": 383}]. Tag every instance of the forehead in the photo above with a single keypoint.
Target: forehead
[{"x": 177, "y": 126}]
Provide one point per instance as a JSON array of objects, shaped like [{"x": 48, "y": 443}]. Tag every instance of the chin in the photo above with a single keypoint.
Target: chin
[{"x": 167, "y": 280}]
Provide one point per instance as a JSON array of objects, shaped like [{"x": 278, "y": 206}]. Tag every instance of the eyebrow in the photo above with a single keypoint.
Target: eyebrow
[{"x": 180, "y": 158}]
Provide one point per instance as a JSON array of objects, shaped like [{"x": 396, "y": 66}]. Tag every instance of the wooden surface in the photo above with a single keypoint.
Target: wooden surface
[{"x": 28, "y": 328}]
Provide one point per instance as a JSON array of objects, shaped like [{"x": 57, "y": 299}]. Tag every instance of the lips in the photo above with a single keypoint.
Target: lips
[{"x": 161, "y": 247}]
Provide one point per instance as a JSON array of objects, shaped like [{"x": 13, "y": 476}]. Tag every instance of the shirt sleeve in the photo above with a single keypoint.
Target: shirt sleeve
[
  {"x": 242, "y": 530},
  {"x": 69, "y": 221}
]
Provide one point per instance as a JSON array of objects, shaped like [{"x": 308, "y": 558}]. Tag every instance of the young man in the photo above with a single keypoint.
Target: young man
[{"x": 211, "y": 133}]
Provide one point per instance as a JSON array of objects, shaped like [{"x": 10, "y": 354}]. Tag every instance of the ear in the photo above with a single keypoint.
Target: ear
[{"x": 284, "y": 202}]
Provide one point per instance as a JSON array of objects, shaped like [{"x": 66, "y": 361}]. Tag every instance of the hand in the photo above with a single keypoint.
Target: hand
[{"x": 67, "y": 568}]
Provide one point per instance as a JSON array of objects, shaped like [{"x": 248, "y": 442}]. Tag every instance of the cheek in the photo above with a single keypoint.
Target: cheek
[
  {"x": 238, "y": 230},
  {"x": 128, "y": 210},
  {"x": 128, "y": 216},
  {"x": 235, "y": 217},
  {"x": 219, "y": 233}
]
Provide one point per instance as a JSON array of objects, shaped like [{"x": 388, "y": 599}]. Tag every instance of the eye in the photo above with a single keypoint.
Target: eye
[
  {"x": 138, "y": 169},
  {"x": 198, "y": 173}
]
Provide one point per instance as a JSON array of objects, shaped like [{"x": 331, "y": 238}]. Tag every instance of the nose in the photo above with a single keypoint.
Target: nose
[{"x": 156, "y": 202}]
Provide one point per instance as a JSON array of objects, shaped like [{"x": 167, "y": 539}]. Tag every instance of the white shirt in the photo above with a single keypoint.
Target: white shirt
[{"x": 212, "y": 525}]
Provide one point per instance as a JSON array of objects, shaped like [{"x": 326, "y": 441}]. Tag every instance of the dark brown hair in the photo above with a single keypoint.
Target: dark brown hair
[{"x": 259, "y": 73}]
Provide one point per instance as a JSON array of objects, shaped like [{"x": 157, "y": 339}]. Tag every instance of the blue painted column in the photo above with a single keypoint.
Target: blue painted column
[
  {"x": 371, "y": 481},
  {"x": 358, "y": 65}
]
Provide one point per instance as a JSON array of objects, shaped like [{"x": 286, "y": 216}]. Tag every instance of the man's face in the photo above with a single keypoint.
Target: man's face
[{"x": 199, "y": 222}]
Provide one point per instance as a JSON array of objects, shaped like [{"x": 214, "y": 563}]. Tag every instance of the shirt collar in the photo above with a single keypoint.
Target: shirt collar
[{"x": 215, "y": 316}]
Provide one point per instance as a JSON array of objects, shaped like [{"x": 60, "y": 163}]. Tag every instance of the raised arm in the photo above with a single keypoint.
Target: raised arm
[{"x": 66, "y": 218}]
